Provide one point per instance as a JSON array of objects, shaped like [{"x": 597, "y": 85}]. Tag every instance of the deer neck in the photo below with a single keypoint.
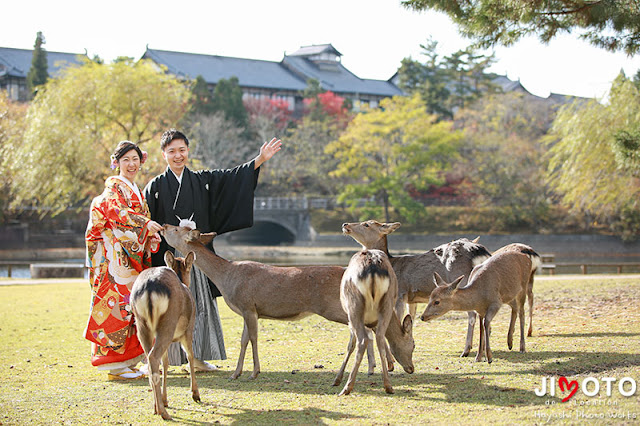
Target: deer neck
[
  {"x": 394, "y": 329},
  {"x": 465, "y": 299},
  {"x": 213, "y": 266},
  {"x": 381, "y": 245}
]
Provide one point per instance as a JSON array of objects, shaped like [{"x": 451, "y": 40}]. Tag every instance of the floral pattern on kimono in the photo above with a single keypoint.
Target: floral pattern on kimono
[{"x": 118, "y": 249}]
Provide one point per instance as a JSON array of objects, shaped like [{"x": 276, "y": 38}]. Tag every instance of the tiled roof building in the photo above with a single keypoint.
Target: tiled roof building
[
  {"x": 15, "y": 65},
  {"x": 282, "y": 80}
]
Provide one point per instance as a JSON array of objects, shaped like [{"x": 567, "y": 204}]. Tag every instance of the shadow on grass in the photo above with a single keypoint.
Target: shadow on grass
[
  {"x": 418, "y": 386},
  {"x": 247, "y": 416},
  {"x": 475, "y": 387},
  {"x": 602, "y": 334}
]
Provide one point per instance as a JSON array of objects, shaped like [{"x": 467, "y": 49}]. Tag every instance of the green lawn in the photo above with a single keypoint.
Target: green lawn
[{"x": 583, "y": 327}]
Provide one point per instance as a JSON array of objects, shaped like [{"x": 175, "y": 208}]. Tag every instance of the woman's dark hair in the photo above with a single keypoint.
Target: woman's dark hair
[
  {"x": 124, "y": 147},
  {"x": 170, "y": 135}
]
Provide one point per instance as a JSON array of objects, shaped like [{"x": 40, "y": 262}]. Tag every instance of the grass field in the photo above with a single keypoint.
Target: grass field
[{"x": 584, "y": 327}]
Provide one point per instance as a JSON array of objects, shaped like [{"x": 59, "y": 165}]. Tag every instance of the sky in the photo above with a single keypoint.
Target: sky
[{"x": 373, "y": 36}]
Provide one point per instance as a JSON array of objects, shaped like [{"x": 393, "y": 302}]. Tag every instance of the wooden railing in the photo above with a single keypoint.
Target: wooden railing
[{"x": 549, "y": 264}]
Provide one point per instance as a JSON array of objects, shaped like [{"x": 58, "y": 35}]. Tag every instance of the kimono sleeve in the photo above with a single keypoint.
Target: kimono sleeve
[
  {"x": 124, "y": 217},
  {"x": 231, "y": 197}
]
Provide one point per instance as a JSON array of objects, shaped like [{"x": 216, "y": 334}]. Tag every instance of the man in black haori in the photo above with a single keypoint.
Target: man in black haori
[{"x": 218, "y": 201}]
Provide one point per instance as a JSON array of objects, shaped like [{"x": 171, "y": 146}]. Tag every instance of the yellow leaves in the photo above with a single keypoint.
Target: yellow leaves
[{"x": 76, "y": 121}]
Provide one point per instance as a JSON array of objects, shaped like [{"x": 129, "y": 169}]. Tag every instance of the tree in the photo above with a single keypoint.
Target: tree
[
  {"x": 428, "y": 78},
  {"x": 227, "y": 97},
  {"x": 217, "y": 142},
  {"x": 38, "y": 73},
  {"x": 12, "y": 122},
  {"x": 582, "y": 165},
  {"x": 611, "y": 24},
  {"x": 449, "y": 83},
  {"x": 268, "y": 117},
  {"x": 504, "y": 156},
  {"x": 202, "y": 97},
  {"x": 327, "y": 106},
  {"x": 75, "y": 122},
  {"x": 386, "y": 153}
]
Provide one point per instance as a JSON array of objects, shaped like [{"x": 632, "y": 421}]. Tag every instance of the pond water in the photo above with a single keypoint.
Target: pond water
[{"x": 22, "y": 270}]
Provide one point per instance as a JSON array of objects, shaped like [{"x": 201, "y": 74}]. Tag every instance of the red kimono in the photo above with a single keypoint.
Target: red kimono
[{"x": 118, "y": 249}]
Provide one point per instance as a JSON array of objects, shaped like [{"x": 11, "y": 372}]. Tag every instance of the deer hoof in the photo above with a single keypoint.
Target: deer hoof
[
  {"x": 388, "y": 389},
  {"x": 196, "y": 396}
]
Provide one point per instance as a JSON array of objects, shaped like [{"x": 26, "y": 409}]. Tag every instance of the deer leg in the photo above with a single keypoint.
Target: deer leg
[
  {"x": 251, "y": 321},
  {"x": 390, "y": 358},
  {"x": 164, "y": 337},
  {"x": 165, "y": 368},
  {"x": 187, "y": 344},
  {"x": 413, "y": 308},
  {"x": 249, "y": 333},
  {"x": 512, "y": 323},
  {"x": 521, "y": 316},
  {"x": 470, "y": 326},
  {"x": 362, "y": 341},
  {"x": 383, "y": 348},
  {"x": 401, "y": 302},
  {"x": 350, "y": 347},
  {"x": 481, "y": 345},
  {"x": 491, "y": 312},
  {"x": 530, "y": 299},
  {"x": 371, "y": 355},
  {"x": 154, "y": 359},
  {"x": 244, "y": 341},
  {"x": 146, "y": 340}
]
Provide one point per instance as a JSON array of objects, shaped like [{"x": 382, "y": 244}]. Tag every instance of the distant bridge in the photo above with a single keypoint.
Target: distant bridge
[{"x": 279, "y": 220}]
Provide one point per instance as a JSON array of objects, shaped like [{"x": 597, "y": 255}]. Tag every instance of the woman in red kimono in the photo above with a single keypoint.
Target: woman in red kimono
[{"x": 120, "y": 238}]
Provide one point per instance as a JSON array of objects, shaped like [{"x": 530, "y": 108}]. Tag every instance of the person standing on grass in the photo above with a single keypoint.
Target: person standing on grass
[
  {"x": 219, "y": 201},
  {"x": 120, "y": 237}
]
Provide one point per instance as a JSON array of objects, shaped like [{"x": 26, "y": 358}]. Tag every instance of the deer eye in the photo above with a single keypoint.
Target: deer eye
[
  {"x": 437, "y": 302},
  {"x": 366, "y": 225}
]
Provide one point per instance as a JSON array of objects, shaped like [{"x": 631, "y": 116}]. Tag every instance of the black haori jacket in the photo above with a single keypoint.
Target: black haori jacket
[{"x": 220, "y": 201}]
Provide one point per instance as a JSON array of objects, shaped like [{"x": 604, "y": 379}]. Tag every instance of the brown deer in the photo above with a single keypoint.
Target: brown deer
[
  {"x": 415, "y": 271},
  {"x": 503, "y": 278},
  {"x": 256, "y": 290},
  {"x": 536, "y": 264},
  {"x": 368, "y": 292},
  {"x": 165, "y": 312}
]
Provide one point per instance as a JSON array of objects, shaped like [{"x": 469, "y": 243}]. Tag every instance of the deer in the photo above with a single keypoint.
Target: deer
[
  {"x": 415, "y": 271},
  {"x": 536, "y": 264},
  {"x": 368, "y": 292},
  {"x": 501, "y": 279},
  {"x": 256, "y": 290},
  {"x": 165, "y": 311},
  {"x": 450, "y": 253}
]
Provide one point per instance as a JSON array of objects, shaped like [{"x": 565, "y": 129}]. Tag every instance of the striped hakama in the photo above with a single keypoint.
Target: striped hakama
[{"x": 208, "y": 341}]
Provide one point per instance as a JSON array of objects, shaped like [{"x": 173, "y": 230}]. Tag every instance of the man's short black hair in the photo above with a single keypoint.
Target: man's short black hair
[{"x": 170, "y": 135}]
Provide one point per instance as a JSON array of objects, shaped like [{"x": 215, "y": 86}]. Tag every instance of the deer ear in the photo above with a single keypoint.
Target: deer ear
[
  {"x": 168, "y": 258},
  {"x": 454, "y": 284},
  {"x": 390, "y": 227},
  {"x": 191, "y": 257},
  {"x": 193, "y": 236},
  {"x": 407, "y": 324},
  {"x": 207, "y": 238},
  {"x": 437, "y": 280}
]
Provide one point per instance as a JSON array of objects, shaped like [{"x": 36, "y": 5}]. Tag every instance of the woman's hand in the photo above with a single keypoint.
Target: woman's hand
[{"x": 154, "y": 227}]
